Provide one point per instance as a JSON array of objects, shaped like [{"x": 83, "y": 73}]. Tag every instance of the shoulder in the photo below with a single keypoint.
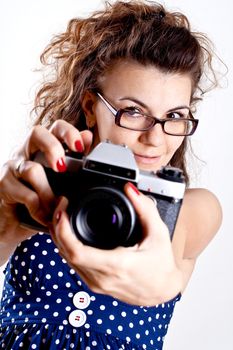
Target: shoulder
[{"x": 201, "y": 217}]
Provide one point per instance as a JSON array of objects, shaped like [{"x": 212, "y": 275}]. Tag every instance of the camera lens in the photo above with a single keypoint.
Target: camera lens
[
  {"x": 105, "y": 218},
  {"x": 111, "y": 215}
]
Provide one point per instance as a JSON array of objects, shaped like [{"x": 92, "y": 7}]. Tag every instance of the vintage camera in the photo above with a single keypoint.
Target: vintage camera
[{"x": 100, "y": 213}]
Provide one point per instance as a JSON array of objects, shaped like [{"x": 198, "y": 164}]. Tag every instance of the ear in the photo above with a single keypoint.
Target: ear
[{"x": 87, "y": 106}]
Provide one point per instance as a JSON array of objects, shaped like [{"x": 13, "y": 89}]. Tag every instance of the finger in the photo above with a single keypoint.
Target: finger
[
  {"x": 50, "y": 143},
  {"x": 67, "y": 133},
  {"x": 146, "y": 210},
  {"x": 12, "y": 191},
  {"x": 33, "y": 175},
  {"x": 78, "y": 254}
]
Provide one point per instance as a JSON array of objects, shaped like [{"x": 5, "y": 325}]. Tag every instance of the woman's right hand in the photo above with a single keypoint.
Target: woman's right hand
[{"x": 24, "y": 181}]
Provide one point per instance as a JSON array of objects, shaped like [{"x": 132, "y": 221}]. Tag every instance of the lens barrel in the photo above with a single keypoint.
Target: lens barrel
[{"x": 105, "y": 218}]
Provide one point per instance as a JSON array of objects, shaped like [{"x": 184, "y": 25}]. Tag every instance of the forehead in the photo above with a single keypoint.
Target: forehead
[{"x": 146, "y": 81}]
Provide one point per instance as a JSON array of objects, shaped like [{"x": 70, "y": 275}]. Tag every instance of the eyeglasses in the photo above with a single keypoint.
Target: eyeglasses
[{"x": 132, "y": 119}]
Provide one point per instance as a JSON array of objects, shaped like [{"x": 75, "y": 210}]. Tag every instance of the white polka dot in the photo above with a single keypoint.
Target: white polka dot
[
  {"x": 111, "y": 317},
  {"x": 120, "y": 328},
  {"x": 58, "y": 301},
  {"x": 44, "y": 252},
  {"x": 55, "y": 286},
  {"x": 34, "y": 346},
  {"x": 52, "y": 263},
  {"x": 108, "y": 331},
  {"x": 99, "y": 321},
  {"x": 36, "y": 244},
  {"x": 60, "y": 274},
  {"x": 55, "y": 314},
  {"x": 131, "y": 325},
  {"x": 102, "y": 307},
  {"x": 40, "y": 266},
  {"x": 57, "y": 341},
  {"x": 68, "y": 284},
  {"x": 123, "y": 314},
  {"x": 114, "y": 303},
  {"x": 32, "y": 257}
]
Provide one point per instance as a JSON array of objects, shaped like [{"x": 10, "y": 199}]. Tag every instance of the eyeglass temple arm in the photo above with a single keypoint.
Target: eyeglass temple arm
[{"x": 107, "y": 104}]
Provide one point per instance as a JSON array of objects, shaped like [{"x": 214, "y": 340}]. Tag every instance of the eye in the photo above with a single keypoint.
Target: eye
[
  {"x": 133, "y": 111},
  {"x": 177, "y": 115}
]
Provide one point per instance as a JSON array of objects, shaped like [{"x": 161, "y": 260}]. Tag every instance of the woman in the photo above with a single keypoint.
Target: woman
[{"x": 141, "y": 62}]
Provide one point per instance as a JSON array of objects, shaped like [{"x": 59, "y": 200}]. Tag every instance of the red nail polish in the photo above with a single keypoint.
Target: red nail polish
[
  {"x": 61, "y": 165},
  {"x": 58, "y": 216},
  {"x": 134, "y": 188},
  {"x": 79, "y": 146}
]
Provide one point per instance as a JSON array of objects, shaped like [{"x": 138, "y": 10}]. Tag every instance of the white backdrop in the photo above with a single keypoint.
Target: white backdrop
[{"x": 203, "y": 319}]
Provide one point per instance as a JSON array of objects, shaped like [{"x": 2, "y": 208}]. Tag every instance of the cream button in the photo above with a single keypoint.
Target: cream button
[
  {"x": 81, "y": 300},
  {"x": 77, "y": 318}
]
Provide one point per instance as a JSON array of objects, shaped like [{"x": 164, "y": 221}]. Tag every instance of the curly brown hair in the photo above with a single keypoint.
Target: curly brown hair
[{"x": 143, "y": 31}]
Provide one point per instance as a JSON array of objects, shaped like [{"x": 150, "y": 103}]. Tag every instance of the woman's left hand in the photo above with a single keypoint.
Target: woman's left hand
[{"x": 145, "y": 274}]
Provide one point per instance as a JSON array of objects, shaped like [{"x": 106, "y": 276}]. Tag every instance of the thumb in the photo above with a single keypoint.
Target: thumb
[
  {"x": 87, "y": 138},
  {"x": 147, "y": 212}
]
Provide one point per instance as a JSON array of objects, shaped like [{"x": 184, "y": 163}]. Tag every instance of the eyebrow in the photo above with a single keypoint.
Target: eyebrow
[{"x": 147, "y": 107}]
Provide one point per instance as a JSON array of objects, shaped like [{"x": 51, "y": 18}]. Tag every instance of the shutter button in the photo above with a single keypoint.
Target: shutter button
[
  {"x": 81, "y": 300},
  {"x": 77, "y": 318}
]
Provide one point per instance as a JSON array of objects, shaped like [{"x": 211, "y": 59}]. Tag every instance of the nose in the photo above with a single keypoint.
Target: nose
[{"x": 155, "y": 136}]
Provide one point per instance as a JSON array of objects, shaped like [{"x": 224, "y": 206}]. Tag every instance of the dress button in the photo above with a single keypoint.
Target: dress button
[
  {"x": 77, "y": 318},
  {"x": 81, "y": 300}
]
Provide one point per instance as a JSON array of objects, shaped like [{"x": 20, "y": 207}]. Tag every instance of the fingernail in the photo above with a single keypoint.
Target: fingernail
[
  {"x": 79, "y": 146},
  {"x": 134, "y": 188},
  {"x": 58, "y": 216},
  {"x": 61, "y": 165}
]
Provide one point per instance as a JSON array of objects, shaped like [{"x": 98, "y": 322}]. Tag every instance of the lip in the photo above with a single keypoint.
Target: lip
[{"x": 146, "y": 159}]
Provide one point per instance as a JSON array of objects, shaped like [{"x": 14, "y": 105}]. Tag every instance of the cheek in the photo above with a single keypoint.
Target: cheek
[{"x": 174, "y": 144}]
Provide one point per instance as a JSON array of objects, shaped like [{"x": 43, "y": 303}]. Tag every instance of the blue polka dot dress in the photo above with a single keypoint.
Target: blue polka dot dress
[{"x": 45, "y": 305}]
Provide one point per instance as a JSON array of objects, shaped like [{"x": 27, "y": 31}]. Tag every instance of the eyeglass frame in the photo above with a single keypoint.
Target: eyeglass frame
[{"x": 118, "y": 113}]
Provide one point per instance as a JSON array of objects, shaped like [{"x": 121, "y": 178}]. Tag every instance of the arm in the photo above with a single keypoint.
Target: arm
[
  {"x": 199, "y": 221},
  {"x": 149, "y": 273},
  {"x": 37, "y": 195}
]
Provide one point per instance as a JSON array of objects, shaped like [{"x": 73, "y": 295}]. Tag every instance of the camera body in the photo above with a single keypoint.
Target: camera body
[{"x": 100, "y": 213}]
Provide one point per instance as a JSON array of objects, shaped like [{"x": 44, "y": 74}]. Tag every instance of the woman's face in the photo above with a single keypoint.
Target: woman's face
[{"x": 130, "y": 84}]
